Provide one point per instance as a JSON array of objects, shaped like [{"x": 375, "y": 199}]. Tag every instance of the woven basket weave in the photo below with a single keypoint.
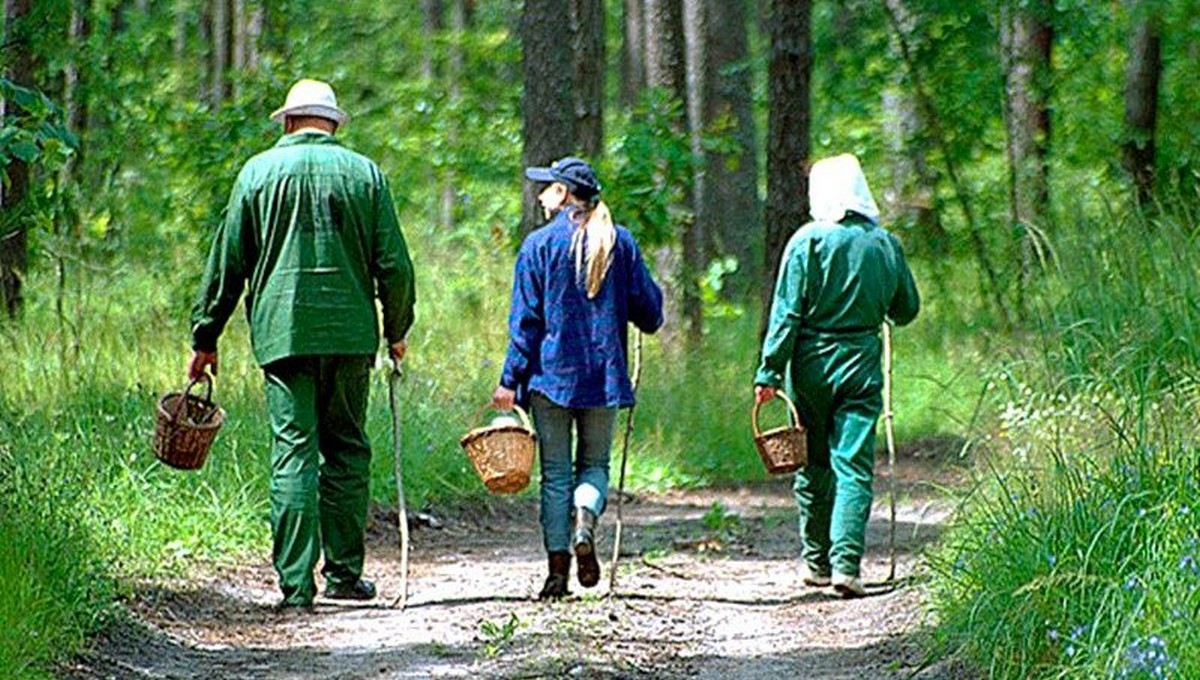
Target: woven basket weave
[
  {"x": 185, "y": 426},
  {"x": 502, "y": 454},
  {"x": 783, "y": 449}
]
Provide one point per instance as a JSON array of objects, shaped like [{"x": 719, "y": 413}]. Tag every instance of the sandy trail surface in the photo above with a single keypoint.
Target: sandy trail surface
[{"x": 708, "y": 587}]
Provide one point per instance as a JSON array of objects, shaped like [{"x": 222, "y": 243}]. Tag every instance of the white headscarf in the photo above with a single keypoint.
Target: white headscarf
[{"x": 836, "y": 185}]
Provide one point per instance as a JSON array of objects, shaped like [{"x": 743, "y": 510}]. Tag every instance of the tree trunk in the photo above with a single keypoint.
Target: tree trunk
[
  {"x": 238, "y": 35},
  {"x": 666, "y": 68},
  {"x": 14, "y": 255},
  {"x": 633, "y": 52},
  {"x": 913, "y": 198},
  {"x": 204, "y": 32},
  {"x": 587, "y": 24},
  {"x": 728, "y": 209},
  {"x": 75, "y": 102},
  {"x": 1142, "y": 76},
  {"x": 455, "y": 70},
  {"x": 238, "y": 44},
  {"x": 548, "y": 130},
  {"x": 247, "y": 29},
  {"x": 219, "y": 57},
  {"x": 698, "y": 92},
  {"x": 1026, "y": 38},
  {"x": 789, "y": 78},
  {"x": 456, "y": 58},
  {"x": 432, "y": 23},
  {"x": 666, "y": 59}
]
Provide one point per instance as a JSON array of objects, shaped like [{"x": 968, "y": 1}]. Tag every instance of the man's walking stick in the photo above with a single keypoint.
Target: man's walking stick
[
  {"x": 616, "y": 554},
  {"x": 394, "y": 378},
  {"x": 891, "y": 444}
]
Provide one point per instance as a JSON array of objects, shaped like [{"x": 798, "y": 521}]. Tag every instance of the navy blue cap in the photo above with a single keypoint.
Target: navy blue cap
[{"x": 573, "y": 172}]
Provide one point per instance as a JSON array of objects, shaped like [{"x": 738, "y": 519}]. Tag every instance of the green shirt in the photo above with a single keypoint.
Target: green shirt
[
  {"x": 837, "y": 283},
  {"x": 311, "y": 232}
]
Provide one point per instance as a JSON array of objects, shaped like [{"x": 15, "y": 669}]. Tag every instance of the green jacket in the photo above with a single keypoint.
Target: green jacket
[
  {"x": 310, "y": 228},
  {"x": 837, "y": 283}
]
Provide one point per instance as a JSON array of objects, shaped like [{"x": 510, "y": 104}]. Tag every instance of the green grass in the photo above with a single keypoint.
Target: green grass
[
  {"x": 1073, "y": 569},
  {"x": 55, "y": 591},
  {"x": 1076, "y": 554}
]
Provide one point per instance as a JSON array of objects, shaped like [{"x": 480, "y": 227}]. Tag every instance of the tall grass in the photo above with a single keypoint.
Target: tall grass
[
  {"x": 54, "y": 590},
  {"x": 1076, "y": 556}
]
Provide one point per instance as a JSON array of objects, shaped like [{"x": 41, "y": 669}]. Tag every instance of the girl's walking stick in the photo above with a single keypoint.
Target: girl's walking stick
[
  {"x": 394, "y": 378},
  {"x": 891, "y": 445},
  {"x": 616, "y": 554}
]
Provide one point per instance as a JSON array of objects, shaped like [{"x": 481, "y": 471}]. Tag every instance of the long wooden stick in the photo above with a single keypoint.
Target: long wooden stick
[
  {"x": 891, "y": 445},
  {"x": 394, "y": 378},
  {"x": 616, "y": 554}
]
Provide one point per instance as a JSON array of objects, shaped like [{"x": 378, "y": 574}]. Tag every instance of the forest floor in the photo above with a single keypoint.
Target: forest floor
[{"x": 708, "y": 587}]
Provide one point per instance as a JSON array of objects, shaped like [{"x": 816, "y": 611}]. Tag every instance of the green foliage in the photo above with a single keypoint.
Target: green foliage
[
  {"x": 1076, "y": 555},
  {"x": 647, "y": 167},
  {"x": 719, "y": 519},
  {"x": 497, "y": 635},
  {"x": 713, "y": 283},
  {"x": 955, "y": 50},
  {"x": 36, "y": 133},
  {"x": 33, "y": 133}
]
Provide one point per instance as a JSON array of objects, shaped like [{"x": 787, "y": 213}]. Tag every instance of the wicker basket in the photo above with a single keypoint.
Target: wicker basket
[
  {"x": 502, "y": 454},
  {"x": 185, "y": 426},
  {"x": 783, "y": 449}
]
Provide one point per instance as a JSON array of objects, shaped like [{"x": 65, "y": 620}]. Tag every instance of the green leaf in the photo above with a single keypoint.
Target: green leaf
[
  {"x": 30, "y": 100},
  {"x": 60, "y": 132},
  {"x": 25, "y": 150}
]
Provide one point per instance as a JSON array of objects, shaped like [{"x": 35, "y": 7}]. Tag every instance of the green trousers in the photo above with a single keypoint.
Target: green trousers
[
  {"x": 837, "y": 389},
  {"x": 320, "y": 469}
]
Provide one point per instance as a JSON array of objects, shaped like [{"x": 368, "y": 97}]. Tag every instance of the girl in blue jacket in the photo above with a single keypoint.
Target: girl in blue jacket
[{"x": 579, "y": 281}]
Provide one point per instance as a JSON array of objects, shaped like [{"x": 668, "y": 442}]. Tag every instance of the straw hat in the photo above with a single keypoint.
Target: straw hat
[{"x": 311, "y": 98}]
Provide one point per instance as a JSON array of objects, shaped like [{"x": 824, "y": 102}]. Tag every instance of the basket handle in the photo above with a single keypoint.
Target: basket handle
[
  {"x": 207, "y": 379},
  {"x": 791, "y": 408},
  {"x": 516, "y": 407}
]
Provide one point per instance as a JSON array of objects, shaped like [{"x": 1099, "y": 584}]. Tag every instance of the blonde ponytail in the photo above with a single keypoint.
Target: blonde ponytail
[{"x": 600, "y": 236}]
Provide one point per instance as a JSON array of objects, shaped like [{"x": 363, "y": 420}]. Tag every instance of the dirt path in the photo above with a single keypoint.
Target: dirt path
[{"x": 702, "y": 593}]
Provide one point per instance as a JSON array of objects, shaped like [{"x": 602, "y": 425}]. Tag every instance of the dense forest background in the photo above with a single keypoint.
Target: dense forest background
[
  {"x": 987, "y": 131},
  {"x": 1038, "y": 160}
]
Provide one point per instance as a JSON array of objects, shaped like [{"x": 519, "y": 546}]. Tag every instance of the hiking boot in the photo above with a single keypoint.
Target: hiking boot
[
  {"x": 814, "y": 577},
  {"x": 361, "y": 589},
  {"x": 848, "y": 586},
  {"x": 556, "y": 583},
  {"x": 588, "y": 569}
]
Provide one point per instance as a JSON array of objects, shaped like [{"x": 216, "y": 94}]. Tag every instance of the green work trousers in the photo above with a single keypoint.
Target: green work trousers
[
  {"x": 320, "y": 469},
  {"x": 837, "y": 390}
]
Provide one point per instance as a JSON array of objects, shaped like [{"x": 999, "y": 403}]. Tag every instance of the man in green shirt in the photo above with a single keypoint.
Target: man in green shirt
[
  {"x": 310, "y": 232},
  {"x": 841, "y": 276}
]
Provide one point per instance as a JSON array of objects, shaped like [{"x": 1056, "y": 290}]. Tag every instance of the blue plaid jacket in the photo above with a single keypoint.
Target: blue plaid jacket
[{"x": 571, "y": 349}]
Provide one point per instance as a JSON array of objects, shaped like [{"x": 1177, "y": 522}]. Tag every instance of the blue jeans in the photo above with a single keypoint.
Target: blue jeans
[{"x": 567, "y": 484}]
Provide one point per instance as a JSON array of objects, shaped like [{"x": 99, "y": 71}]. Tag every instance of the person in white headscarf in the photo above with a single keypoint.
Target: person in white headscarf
[{"x": 841, "y": 277}]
